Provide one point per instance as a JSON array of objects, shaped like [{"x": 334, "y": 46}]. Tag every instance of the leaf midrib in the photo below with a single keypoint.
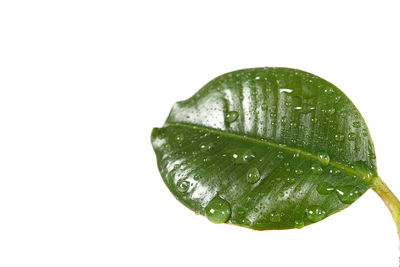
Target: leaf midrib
[{"x": 267, "y": 143}]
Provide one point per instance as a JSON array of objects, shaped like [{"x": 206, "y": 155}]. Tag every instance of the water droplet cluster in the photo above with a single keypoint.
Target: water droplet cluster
[
  {"x": 346, "y": 194},
  {"x": 280, "y": 111},
  {"x": 315, "y": 213}
]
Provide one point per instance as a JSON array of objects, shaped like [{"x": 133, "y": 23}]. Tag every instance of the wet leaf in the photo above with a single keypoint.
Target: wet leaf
[{"x": 266, "y": 148}]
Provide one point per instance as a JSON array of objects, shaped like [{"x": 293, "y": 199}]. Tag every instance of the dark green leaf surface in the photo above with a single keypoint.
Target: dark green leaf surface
[{"x": 266, "y": 148}]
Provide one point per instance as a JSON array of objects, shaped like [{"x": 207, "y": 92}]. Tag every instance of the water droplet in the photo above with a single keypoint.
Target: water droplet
[
  {"x": 242, "y": 156},
  {"x": 356, "y": 124},
  {"x": 176, "y": 166},
  {"x": 329, "y": 91},
  {"x": 306, "y": 108},
  {"x": 205, "y": 147},
  {"x": 183, "y": 185},
  {"x": 299, "y": 224},
  {"x": 331, "y": 111},
  {"x": 167, "y": 146},
  {"x": 298, "y": 172},
  {"x": 253, "y": 175},
  {"x": 290, "y": 180},
  {"x": 246, "y": 222},
  {"x": 218, "y": 210},
  {"x": 339, "y": 137},
  {"x": 197, "y": 177},
  {"x": 352, "y": 136},
  {"x": 285, "y": 90},
  {"x": 264, "y": 106},
  {"x": 275, "y": 217},
  {"x": 315, "y": 213},
  {"x": 296, "y": 155},
  {"x": 179, "y": 138},
  {"x": 231, "y": 116},
  {"x": 348, "y": 194},
  {"x": 325, "y": 188},
  {"x": 324, "y": 158}
]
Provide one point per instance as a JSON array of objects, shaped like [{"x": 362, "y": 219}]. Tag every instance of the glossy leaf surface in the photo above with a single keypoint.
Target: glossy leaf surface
[{"x": 266, "y": 148}]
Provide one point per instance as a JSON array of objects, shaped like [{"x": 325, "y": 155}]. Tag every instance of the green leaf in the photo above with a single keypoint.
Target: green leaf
[{"x": 266, "y": 148}]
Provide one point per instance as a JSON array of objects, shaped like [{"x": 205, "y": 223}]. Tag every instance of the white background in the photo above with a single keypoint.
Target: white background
[{"x": 82, "y": 83}]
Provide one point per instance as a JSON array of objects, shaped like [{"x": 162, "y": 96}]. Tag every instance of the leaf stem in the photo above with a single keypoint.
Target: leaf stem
[{"x": 390, "y": 200}]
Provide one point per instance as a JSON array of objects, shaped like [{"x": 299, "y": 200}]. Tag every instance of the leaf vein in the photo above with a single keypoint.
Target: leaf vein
[{"x": 268, "y": 143}]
